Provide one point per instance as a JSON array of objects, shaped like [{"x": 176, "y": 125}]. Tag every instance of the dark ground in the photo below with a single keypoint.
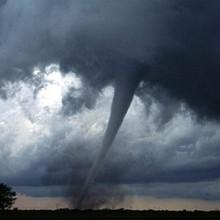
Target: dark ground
[{"x": 108, "y": 215}]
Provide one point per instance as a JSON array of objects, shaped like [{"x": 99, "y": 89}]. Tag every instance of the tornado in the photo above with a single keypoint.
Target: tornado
[{"x": 124, "y": 91}]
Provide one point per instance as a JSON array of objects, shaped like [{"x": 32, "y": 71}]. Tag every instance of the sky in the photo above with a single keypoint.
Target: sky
[{"x": 68, "y": 72}]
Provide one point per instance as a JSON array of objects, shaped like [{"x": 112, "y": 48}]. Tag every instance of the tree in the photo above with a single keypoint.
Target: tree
[{"x": 7, "y": 197}]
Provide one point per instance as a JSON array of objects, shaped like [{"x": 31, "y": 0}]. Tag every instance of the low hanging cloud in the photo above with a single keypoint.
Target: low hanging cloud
[{"x": 38, "y": 135}]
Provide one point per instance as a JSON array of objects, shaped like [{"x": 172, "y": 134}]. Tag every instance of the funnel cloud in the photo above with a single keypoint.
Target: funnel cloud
[{"x": 123, "y": 95}]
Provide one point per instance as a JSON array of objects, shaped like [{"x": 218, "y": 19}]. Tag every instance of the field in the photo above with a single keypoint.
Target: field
[{"x": 107, "y": 215}]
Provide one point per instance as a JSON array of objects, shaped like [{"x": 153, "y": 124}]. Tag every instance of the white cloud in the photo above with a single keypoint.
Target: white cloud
[
  {"x": 34, "y": 132},
  {"x": 26, "y": 118}
]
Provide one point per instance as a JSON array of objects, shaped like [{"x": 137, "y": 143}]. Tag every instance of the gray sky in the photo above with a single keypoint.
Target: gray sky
[{"x": 59, "y": 63}]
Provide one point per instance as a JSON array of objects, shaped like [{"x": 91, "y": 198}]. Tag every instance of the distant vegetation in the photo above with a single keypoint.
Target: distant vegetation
[
  {"x": 108, "y": 215},
  {"x": 7, "y": 197}
]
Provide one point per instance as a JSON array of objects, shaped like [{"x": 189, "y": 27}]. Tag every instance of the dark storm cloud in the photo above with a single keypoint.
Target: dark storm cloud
[
  {"x": 72, "y": 102},
  {"x": 177, "y": 40},
  {"x": 2, "y": 2},
  {"x": 201, "y": 190}
]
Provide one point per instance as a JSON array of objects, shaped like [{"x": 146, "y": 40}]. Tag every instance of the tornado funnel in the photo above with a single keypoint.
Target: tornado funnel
[{"x": 123, "y": 94}]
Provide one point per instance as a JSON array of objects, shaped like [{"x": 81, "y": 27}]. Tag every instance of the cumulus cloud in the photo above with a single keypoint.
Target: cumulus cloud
[{"x": 36, "y": 134}]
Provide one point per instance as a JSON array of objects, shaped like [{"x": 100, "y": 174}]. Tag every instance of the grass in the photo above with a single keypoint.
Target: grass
[{"x": 121, "y": 214}]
